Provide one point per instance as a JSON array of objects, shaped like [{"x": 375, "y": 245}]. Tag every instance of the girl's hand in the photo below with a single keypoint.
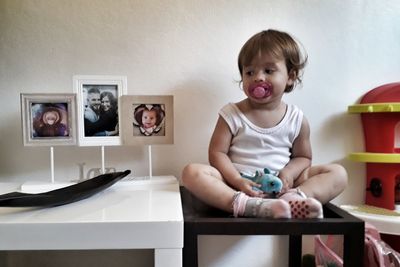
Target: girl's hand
[
  {"x": 287, "y": 183},
  {"x": 246, "y": 186}
]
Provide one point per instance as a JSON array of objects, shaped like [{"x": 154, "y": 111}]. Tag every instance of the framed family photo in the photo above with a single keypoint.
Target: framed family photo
[
  {"x": 98, "y": 105},
  {"x": 48, "y": 119},
  {"x": 147, "y": 120}
]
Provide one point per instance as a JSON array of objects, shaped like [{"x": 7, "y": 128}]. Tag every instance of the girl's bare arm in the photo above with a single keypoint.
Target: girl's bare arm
[
  {"x": 300, "y": 158},
  {"x": 218, "y": 157}
]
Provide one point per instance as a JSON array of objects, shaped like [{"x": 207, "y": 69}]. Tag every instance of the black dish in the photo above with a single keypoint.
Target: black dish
[{"x": 63, "y": 195}]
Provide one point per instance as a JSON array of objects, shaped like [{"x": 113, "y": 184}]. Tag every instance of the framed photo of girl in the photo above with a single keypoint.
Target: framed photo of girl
[
  {"x": 98, "y": 101},
  {"x": 48, "y": 119},
  {"x": 147, "y": 120}
]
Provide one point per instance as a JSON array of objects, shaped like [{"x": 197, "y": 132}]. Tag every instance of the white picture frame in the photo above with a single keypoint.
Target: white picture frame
[
  {"x": 100, "y": 127},
  {"x": 48, "y": 119},
  {"x": 133, "y": 132}
]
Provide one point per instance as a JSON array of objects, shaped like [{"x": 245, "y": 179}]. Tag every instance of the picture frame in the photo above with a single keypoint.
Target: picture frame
[
  {"x": 156, "y": 108},
  {"x": 48, "y": 119},
  {"x": 98, "y": 106}
]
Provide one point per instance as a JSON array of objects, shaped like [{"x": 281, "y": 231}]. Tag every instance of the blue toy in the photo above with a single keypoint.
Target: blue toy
[{"x": 270, "y": 184}]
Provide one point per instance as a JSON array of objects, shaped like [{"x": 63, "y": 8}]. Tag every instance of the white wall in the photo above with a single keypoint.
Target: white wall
[{"x": 189, "y": 49}]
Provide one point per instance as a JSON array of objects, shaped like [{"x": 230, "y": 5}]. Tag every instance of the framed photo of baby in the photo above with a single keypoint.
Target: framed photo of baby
[
  {"x": 48, "y": 119},
  {"x": 98, "y": 100},
  {"x": 147, "y": 120}
]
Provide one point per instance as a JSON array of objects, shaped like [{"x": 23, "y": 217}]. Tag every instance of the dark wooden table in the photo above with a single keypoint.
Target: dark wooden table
[{"x": 200, "y": 219}]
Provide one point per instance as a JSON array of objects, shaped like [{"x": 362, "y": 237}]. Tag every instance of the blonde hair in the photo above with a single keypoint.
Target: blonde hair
[{"x": 279, "y": 45}]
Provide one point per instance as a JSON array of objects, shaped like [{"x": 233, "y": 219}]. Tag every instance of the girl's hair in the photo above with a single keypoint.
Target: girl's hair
[
  {"x": 278, "y": 44},
  {"x": 111, "y": 98}
]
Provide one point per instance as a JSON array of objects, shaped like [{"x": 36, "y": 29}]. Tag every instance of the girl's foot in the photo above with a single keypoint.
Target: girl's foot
[
  {"x": 246, "y": 206},
  {"x": 302, "y": 206}
]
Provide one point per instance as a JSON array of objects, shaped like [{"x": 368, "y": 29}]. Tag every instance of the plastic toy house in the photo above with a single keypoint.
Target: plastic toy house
[{"x": 380, "y": 116}]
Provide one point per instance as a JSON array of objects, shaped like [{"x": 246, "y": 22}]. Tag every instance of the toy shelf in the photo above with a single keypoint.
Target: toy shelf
[
  {"x": 376, "y": 107},
  {"x": 375, "y": 157},
  {"x": 381, "y": 131}
]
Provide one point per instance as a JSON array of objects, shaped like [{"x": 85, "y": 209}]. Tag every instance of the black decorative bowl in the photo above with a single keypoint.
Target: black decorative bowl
[{"x": 63, "y": 195}]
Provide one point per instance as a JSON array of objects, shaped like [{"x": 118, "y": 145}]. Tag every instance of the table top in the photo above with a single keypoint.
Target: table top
[{"x": 129, "y": 214}]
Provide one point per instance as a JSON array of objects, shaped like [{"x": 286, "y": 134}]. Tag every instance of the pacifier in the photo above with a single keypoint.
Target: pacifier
[{"x": 260, "y": 90}]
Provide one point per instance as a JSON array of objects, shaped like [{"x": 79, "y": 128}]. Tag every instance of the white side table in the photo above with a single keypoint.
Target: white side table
[{"x": 145, "y": 214}]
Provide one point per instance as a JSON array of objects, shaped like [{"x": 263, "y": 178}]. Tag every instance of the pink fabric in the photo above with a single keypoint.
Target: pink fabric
[
  {"x": 302, "y": 206},
  {"x": 376, "y": 252},
  {"x": 239, "y": 204}
]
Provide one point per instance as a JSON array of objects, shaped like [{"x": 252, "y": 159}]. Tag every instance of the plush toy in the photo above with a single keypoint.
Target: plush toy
[{"x": 269, "y": 183}]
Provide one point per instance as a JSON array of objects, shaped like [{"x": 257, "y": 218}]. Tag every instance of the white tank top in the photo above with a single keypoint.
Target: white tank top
[{"x": 255, "y": 148}]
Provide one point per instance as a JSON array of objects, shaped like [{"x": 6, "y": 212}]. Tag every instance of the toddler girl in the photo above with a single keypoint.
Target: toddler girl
[{"x": 263, "y": 131}]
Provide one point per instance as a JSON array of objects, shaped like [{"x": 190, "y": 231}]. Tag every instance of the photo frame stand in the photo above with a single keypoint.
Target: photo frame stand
[
  {"x": 150, "y": 162},
  {"x": 52, "y": 164},
  {"x": 103, "y": 169}
]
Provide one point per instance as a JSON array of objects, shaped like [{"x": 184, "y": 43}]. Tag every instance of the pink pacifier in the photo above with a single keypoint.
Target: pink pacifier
[{"x": 260, "y": 90}]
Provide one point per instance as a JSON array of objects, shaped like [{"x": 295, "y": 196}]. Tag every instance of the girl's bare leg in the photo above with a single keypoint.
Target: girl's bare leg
[
  {"x": 206, "y": 183},
  {"x": 323, "y": 182}
]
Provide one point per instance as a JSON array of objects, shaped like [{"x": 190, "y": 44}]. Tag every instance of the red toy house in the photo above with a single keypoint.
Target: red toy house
[{"x": 380, "y": 115}]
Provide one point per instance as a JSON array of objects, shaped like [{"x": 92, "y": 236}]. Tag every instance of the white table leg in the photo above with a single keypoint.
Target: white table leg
[{"x": 168, "y": 257}]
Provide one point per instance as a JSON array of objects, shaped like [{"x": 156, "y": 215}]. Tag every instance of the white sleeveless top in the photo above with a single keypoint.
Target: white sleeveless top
[{"x": 255, "y": 148}]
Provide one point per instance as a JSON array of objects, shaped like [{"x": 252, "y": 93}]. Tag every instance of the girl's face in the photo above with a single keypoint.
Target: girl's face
[
  {"x": 106, "y": 103},
  {"x": 50, "y": 118},
  {"x": 149, "y": 118},
  {"x": 265, "y": 79}
]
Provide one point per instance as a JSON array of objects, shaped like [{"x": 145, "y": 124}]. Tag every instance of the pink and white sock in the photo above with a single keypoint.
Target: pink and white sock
[
  {"x": 302, "y": 206},
  {"x": 246, "y": 206}
]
